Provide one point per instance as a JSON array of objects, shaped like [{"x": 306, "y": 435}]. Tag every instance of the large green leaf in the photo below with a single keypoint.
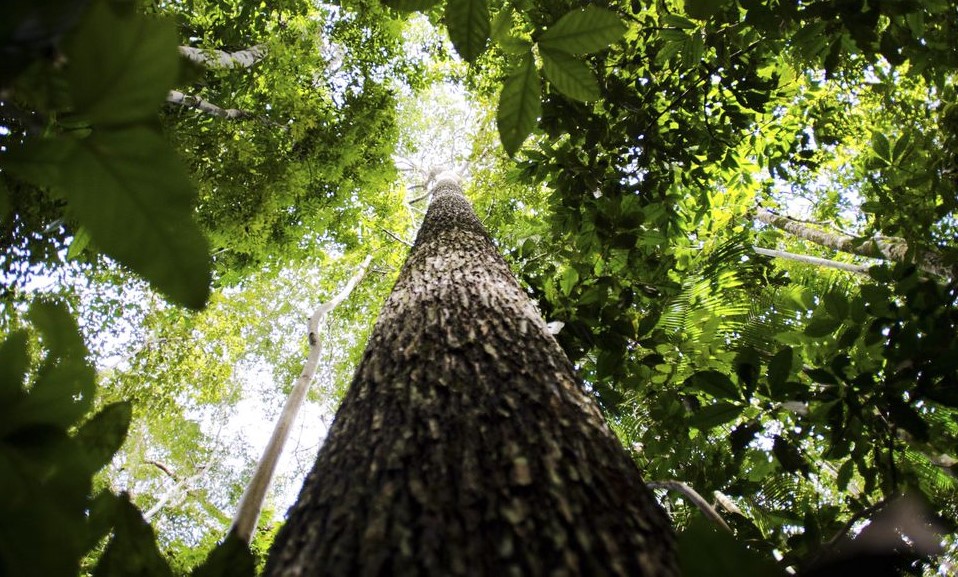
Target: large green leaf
[
  {"x": 570, "y": 76},
  {"x": 519, "y": 105},
  {"x": 714, "y": 415},
  {"x": 706, "y": 551},
  {"x": 132, "y": 550},
  {"x": 102, "y": 435},
  {"x": 469, "y": 26},
  {"x": 120, "y": 68},
  {"x": 714, "y": 383},
  {"x": 583, "y": 30},
  {"x": 130, "y": 191},
  {"x": 231, "y": 558}
]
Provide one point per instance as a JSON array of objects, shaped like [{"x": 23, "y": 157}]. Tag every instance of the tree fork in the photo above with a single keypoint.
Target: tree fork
[{"x": 465, "y": 444}]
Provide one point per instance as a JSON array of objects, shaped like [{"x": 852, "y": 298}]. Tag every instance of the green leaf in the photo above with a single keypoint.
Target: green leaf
[
  {"x": 880, "y": 146},
  {"x": 570, "y": 276},
  {"x": 714, "y": 383},
  {"x": 822, "y": 327},
  {"x": 63, "y": 388},
  {"x": 906, "y": 417},
  {"x": 469, "y": 26},
  {"x": 80, "y": 241},
  {"x": 583, "y": 31},
  {"x": 788, "y": 455},
  {"x": 128, "y": 188},
  {"x": 836, "y": 304},
  {"x": 677, "y": 21},
  {"x": 103, "y": 435},
  {"x": 845, "y": 473},
  {"x": 570, "y": 76},
  {"x": 14, "y": 362},
  {"x": 121, "y": 68},
  {"x": 410, "y": 5},
  {"x": 519, "y": 105},
  {"x": 231, "y": 558},
  {"x": 704, "y": 9},
  {"x": 38, "y": 160},
  {"x": 714, "y": 415},
  {"x": 707, "y": 551},
  {"x": 780, "y": 367},
  {"x": 133, "y": 549}
]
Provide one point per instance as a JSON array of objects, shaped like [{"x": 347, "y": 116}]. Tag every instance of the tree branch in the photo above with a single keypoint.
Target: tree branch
[
  {"x": 813, "y": 260},
  {"x": 251, "y": 504},
  {"x": 190, "y": 101},
  {"x": 693, "y": 496},
  {"x": 221, "y": 59},
  {"x": 887, "y": 248}
]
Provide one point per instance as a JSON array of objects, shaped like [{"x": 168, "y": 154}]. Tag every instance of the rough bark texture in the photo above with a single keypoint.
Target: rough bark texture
[
  {"x": 888, "y": 248},
  {"x": 465, "y": 445}
]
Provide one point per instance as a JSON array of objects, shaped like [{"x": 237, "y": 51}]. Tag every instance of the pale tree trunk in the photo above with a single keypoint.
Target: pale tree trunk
[
  {"x": 190, "y": 101},
  {"x": 222, "y": 59},
  {"x": 893, "y": 249},
  {"x": 465, "y": 444},
  {"x": 812, "y": 260},
  {"x": 251, "y": 504}
]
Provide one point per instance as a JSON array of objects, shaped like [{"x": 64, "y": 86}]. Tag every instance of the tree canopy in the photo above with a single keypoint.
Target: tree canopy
[{"x": 741, "y": 214}]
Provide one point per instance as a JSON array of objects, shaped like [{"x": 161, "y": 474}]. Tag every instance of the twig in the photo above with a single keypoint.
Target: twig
[{"x": 396, "y": 238}]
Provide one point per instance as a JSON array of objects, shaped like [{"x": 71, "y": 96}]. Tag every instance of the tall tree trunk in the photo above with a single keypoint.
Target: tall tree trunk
[
  {"x": 188, "y": 100},
  {"x": 465, "y": 445},
  {"x": 889, "y": 248},
  {"x": 251, "y": 504}
]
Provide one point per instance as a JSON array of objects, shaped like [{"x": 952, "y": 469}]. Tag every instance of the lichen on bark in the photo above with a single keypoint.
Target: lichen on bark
[{"x": 465, "y": 445}]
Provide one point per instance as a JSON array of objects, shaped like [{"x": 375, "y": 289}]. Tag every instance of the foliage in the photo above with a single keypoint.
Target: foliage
[{"x": 639, "y": 137}]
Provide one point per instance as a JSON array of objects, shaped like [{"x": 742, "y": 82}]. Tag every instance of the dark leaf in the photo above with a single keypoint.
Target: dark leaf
[
  {"x": 133, "y": 548},
  {"x": 469, "y": 26},
  {"x": 714, "y": 383},
  {"x": 707, "y": 551},
  {"x": 231, "y": 558},
  {"x": 715, "y": 415},
  {"x": 570, "y": 76},
  {"x": 128, "y": 188},
  {"x": 103, "y": 435},
  {"x": 519, "y": 105}
]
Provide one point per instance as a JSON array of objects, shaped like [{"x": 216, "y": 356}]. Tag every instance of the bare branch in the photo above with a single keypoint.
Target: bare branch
[
  {"x": 222, "y": 59},
  {"x": 693, "y": 496},
  {"x": 190, "y": 101},
  {"x": 814, "y": 260},
  {"x": 251, "y": 504}
]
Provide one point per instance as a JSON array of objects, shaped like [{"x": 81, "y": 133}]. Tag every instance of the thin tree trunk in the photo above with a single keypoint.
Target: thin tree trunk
[
  {"x": 465, "y": 444},
  {"x": 251, "y": 504},
  {"x": 181, "y": 99},
  {"x": 813, "y": 260},
  {"x": 222, "y": 59},
  {"x": 893, "y": 249}
]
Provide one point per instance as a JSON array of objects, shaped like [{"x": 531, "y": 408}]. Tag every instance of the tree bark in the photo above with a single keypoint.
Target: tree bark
[
  {"x": 221, "y": 59},
  {"x": 813, "y": 260},
  {"x": 188, "y": 100},
  {"x": 251, "y": 504},
  {"x": 889, "y": 248},
  {"x": 465, "y": 444}
]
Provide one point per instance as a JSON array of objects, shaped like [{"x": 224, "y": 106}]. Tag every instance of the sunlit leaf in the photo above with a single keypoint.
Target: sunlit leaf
[
  {"x": 469, "y": 26},
  {"x": 570, "y": 76},
  {"x": 583, "y": 31},
  {"x": 519, "y": 105}
]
